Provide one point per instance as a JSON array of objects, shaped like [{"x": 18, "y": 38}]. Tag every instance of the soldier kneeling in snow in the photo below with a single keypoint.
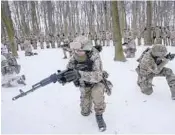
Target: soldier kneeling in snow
[
  {"x": 28, "y": 48},
  {"x": 9, "y": 71},
  {"x": 151, "y": 64},
  {"x": 130, "y": 48}
]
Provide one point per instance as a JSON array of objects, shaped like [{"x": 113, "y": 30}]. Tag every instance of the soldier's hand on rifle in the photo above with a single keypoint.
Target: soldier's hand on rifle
[
  {"x": 169, "y": 56},
  {"x": 72, "y": 75}
]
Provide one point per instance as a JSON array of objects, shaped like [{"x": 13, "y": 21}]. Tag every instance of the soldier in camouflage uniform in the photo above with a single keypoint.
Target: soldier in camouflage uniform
[
  {"x": 153, "y": 35},
  {"x": 158, "y": 35},
  {"x": 41, "y": 40},
  {"x": 33, "y": 41},
  {"x": 66, "y": 48},
  {"x": 89, "y": 79},
  {"x": 10, "y": 69},
  {"x": 52, "y": 40},
  {"x": 126, "y": 35},
  {"x": 130, "y": 48},
  {"x": 28, "y": 48},
  {"x": 47, "y": 40},
  {"x": 151, "y": 64}
]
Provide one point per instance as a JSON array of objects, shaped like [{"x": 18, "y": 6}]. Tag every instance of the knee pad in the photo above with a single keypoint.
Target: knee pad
[{"x": 148, "y": 91}]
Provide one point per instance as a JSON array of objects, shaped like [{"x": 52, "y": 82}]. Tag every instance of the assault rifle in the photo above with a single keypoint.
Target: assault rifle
[
  {"x": 169, "y": 56},
  {"x": 53, "y": 78}
]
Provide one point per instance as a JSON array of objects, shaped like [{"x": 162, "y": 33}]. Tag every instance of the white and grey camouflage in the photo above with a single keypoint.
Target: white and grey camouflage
[
  {"x": 95, "y": 93},
  {"x": 148, "y": 69}
]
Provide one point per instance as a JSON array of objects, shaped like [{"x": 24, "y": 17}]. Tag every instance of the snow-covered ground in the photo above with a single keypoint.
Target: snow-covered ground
[{"x": 55, "y": 108}]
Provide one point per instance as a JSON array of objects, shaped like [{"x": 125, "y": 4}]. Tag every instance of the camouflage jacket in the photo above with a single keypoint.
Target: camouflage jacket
[
  {"x": 94, "y": 76},
  {"x": 131, "y": 44},
  {"x": 147, "y": 64},
  {"x": 27, "y": 46}
]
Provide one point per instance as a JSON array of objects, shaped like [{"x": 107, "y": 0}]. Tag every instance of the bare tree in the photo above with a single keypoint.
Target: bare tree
[
  {"x": 117, "y": 38},
  {"x": 7, "y": 20}
]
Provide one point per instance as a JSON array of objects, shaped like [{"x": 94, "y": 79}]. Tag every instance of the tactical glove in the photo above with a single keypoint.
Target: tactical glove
[{"x": 72, "y": 75}]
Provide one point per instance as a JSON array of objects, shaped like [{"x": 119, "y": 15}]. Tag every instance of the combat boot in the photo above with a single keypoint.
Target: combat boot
[
  {"x": 101, "y": 123},
  {"x": 86, "y": 113}
]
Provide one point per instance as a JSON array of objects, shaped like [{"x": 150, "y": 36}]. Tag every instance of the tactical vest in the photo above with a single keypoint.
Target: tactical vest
[{"x": 88, "y": 68}]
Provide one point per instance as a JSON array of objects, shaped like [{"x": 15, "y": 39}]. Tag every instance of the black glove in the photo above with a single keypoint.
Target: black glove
[
  {"x": 169, "y": 56},
  {"x": 72, "y": 75}
]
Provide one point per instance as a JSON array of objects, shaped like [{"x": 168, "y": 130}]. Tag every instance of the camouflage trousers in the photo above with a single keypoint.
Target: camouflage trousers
[
  {"x": 95, "y": 95},
  {"x": 145, "y": 81},
  {"x": 130, "y": 52}
]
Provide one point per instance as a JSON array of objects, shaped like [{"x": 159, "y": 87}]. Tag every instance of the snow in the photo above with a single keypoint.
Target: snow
[{"x": 55, "y": 108}]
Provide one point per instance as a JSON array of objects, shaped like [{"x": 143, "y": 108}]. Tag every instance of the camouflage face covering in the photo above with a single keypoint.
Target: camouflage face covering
[{"x": 80, "y": 56}]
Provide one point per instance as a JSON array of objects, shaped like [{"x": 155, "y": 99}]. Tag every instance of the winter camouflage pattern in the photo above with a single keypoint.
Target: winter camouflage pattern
[
  {"x": 95, "y": 93},
  {"x": 66, "y": 48},
  {"x": 126, "y": 35},
  {"x": 33, "y": 41},
  {"x": 158, "y": 35},
  {"x": 9, "y": 71},
  {"x": 28, "y": 48},
  {"x": 130, "y": 48},
  {"x": 148, "y": 69}
]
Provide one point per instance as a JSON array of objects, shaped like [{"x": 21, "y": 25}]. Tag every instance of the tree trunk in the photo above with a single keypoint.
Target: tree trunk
[
  {"x": 149, "y": 20},
  {"x": 117, "y": 39},
  {"x": 6, "y": 17}
]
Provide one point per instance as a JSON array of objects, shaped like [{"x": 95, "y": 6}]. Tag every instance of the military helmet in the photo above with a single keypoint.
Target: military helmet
[
  {"x": 159, "y": 50},
  {"x": 82, "y": 43}
]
